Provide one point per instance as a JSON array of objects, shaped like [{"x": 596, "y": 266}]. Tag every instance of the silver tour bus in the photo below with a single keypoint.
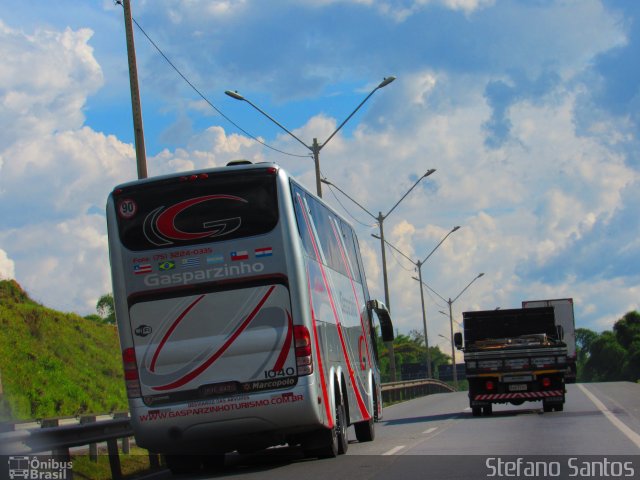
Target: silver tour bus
[{"x": 244, "y": 316}]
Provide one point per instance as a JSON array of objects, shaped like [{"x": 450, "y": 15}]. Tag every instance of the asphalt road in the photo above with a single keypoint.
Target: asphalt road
[{"x": 436, "y": 437}]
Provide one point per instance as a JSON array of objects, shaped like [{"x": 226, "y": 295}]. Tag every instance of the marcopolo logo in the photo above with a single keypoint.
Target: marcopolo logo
[
  {"x": 143, "y": 330},
  {"x": 39, "y": 468}
]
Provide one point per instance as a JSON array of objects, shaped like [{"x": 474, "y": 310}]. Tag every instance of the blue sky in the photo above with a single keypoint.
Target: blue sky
[{"x": 527, "y": 109}]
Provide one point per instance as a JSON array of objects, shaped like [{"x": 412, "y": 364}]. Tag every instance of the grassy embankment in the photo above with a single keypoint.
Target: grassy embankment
[{"x": 55, "y": 364}]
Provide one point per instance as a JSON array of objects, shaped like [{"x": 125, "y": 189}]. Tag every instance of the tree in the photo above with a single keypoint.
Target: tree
[
  {"x": 106, "y": 308},
  {"x": 627, "y": 329},
  {"x": 606, "y": 360},
  {"x": 584, "y": 340}
]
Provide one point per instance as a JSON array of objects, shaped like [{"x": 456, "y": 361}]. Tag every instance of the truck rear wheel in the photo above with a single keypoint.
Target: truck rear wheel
[
  {"x": 488, "y": 410},
  {"x": 476, "y": 411}
]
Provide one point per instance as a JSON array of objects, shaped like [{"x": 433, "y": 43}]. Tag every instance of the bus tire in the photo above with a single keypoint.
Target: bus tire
[
  {"x": 322, "y": 444},
  {"x": 365, "y": 431},
  {"x": 213, "y": 462},
  {"x": 183, "y": 464},
  {"x": 341, "y": 429}
]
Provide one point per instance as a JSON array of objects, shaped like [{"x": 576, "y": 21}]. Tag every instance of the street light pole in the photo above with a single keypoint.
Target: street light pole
[
  {"x": 315, "y": 147},
  {"x": 450, "y": 303},
  {"x": 418, "y": 265},
  {"x": 380, "y": 219}
]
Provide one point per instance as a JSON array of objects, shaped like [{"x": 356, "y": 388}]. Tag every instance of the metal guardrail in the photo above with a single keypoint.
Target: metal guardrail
[
  {"x": 408, "y": 389},
  {"x": 59, "y": 439}
]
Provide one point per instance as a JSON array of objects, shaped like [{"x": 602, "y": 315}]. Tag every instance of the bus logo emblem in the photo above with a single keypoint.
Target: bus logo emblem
[
  {"x": 161, "y": 229},
  {"x": 143, "y": 330}
]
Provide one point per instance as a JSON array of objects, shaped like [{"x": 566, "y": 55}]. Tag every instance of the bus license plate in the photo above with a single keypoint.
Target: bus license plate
[{"x": 518, "y": 387}]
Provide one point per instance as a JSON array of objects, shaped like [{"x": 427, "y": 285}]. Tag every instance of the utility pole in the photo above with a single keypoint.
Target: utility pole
[{"x": 141, "y": 156}]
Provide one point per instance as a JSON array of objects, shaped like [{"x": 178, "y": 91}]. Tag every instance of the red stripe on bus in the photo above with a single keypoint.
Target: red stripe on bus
[
  {"x": 353, "y": 289},
  {"x": 286, "y": 348},
  {"x": 323, "y": 380},
  {"x": 194, "y": 373},
  {"x": 361, "y": 405},
  {"x": 170, "y": 331}
]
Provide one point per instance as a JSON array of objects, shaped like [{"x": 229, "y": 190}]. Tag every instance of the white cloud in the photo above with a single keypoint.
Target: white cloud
[
  {"x": 45, "y": 78},
  {"x": 62, "y": 264},
  {"x": 7, "y": 266}
]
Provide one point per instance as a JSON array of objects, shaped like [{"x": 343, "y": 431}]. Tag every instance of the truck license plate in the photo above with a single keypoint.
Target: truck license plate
[{"x": 518, "y": 387}]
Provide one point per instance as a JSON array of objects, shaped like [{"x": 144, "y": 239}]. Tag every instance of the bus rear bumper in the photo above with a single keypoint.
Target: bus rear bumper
[{"x": 226, "y": 424}]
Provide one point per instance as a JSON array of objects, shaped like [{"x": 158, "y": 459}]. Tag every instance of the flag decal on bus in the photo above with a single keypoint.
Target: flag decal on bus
[
  {"x": 190, "y": 262},
  {"x": 142, "y": 268},
  {"x": 241, "y": 255},
  {"x": 213, "y": 259},
  {"x": 263, "y": 252}
]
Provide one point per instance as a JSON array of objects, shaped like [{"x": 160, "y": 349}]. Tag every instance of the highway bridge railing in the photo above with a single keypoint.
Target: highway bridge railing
[
  {"x": 406, "y": 390},
  {"x": 59, "y": 436}
]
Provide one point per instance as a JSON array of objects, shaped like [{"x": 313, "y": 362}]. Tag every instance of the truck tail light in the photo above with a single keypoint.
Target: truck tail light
[
  {"x": 131, "y": 378},
  {"x": 489, "y": 385},
  {"x": 546, "y": 382},
  {"x": 304, "y": 360}
]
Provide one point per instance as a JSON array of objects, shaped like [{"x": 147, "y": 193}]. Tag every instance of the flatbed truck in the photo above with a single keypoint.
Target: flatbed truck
[{"x": 513, "y": 356}]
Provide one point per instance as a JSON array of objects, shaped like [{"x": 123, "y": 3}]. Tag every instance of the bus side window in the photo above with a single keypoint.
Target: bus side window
[{"x": 300, "y": 204}]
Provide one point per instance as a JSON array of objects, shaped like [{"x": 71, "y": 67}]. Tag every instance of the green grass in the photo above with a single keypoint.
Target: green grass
[
  {"x": 55, "y": 364},
  {"x": 131, "y": 464}
]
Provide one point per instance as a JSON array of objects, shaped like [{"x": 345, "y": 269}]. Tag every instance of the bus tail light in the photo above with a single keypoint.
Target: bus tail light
[
  {"x": 131, "y": 378},
  {"x": 304, "y": 359}
]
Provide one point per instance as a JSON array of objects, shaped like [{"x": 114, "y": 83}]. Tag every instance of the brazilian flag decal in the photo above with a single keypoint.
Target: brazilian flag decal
[{"x": 168, "y": 265}]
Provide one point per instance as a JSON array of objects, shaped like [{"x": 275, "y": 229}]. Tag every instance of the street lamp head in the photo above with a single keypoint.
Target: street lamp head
[
  {"x": 479, "y": 275},
  {"x": 429, "y": 172},
  {"x": 235, "y": 95},
  {"x": 457, "y": 227},
  {"x": 386, "y": 81}
]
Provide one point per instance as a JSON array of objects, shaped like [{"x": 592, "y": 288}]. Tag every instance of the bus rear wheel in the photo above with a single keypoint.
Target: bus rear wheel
[
  {"x": 183, "y": 463},
  {"x": 329, "y": 442},
  {"x": 365, "y": 431}
]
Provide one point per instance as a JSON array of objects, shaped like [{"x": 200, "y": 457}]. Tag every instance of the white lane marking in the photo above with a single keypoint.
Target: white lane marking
[
  {"x": 394, "y": 450},
  {"x": 432, "y": 429},
  {"x": 631, "y": 435}
]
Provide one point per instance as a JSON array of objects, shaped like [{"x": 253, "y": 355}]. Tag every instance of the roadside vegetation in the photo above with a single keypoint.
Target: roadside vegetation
[
  {"x": 55, "y": 364},
  {"x": 611, "y": 355}
]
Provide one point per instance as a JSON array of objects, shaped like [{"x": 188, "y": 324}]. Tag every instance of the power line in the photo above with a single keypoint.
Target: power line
[
  {"x": 346, "y": 210},
  {"x": 201, "y": 95},
  {"x": 393, "y": 254}
]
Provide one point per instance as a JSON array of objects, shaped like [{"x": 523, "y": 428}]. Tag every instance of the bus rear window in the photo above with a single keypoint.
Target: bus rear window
[{"x": 173, "y": 212}]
